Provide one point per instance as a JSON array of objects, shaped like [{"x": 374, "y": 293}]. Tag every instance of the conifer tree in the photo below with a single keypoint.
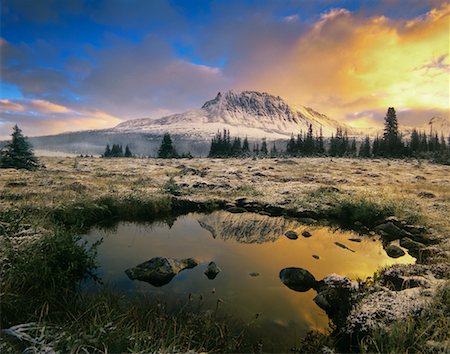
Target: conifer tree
[
  {"x": 128, "y": 152},
  {"x": 18, "y": 153},
  {"x": 264, "y": 151},
  {"x": 364, "y": 150},
  {"x": 320, "y": 145},
  {"x": 391, "y": 144},
  {"x": 376, "y": 147},
  {"x": 167, "y": 150},
  {"x": 107, "y": 152},
  {"x": 291, "y": 146},
  {"x": 245, "y": 146},
  {"x": 273, "y": 151}
]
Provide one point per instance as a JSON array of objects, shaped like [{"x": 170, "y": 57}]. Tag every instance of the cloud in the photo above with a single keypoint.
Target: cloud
[
  {"x": 39, "y": 117},
  {"x": 8, "y": 105},
  {"x": 134, "y": 80},
  {"x": 348, "y": 63}
]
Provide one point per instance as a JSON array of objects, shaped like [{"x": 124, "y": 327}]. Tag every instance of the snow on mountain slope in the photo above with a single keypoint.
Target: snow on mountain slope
[{"x": 248, "y": 113}]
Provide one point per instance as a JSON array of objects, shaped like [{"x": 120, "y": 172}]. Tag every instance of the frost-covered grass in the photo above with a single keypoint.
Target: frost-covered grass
[
  {"x": 428, "y": 333},
  {"x": 42, "y": 211}
]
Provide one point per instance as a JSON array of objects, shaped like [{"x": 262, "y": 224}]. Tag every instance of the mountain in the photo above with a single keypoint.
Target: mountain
[
  {"x": 253, "y": 114},
  {"x": 248, "y": 113}
]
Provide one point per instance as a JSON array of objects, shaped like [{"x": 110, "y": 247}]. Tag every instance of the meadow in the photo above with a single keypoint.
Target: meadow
[{"x": 43, "y": 259}]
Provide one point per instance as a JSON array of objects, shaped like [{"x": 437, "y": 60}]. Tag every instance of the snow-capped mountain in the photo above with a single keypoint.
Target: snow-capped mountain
[
  {"x": 247, "y": 113},
  {"x": 253, "y": 114}
]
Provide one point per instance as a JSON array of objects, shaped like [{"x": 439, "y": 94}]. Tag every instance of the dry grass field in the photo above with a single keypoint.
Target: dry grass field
[{"x": 415, "y": 191}]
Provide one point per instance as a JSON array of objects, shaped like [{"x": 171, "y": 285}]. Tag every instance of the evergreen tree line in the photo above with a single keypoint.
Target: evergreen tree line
[
  {"x": 222, "y": 145},
  {"x": 391, "y": 145},
  {"x": 166, "y": 150},
  {"x": 117, "y": 151}
]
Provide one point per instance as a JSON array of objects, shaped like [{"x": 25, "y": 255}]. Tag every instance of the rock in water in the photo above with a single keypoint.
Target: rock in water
[
  {"x": 394, "y": 251},
  {"x": 341, "y": 245},
  {"x": 306, "y": 233},
  {"x": 291, "y": 235},
  {"x": 297, "y": 279},
  {"x": 335, "y": 295},
  {"x": 159, "y": 271},
  {"x": 212, "y": 270}
]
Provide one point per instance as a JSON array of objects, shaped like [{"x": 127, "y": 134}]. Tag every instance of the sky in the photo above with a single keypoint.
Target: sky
[{"x": 83, "y": 64}]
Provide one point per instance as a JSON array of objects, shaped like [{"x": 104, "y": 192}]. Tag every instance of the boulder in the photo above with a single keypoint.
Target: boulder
[
  {"x": 394, "y": 251},
  {"x": 159, "y": 271},
  {"x": 336, "y": 295},
  {"x": 413, "y": 247},
  {"x": 274, "y": 210},
  {"x": 291, "y": 235},
  {"x": 212, "y": 270},
  {"x": 390, "y": 232},
  {"x": 297, "y": 279}
]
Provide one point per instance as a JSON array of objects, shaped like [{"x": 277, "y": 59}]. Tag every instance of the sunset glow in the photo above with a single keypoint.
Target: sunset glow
[{"x": 347, "y": 59}]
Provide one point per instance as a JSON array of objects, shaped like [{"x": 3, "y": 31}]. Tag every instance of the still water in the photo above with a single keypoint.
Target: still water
[{"x": 250, "y": 250}]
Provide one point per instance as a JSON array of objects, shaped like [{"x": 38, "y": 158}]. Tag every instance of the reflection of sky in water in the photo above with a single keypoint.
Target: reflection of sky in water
[{"x": 282, "y": 310}]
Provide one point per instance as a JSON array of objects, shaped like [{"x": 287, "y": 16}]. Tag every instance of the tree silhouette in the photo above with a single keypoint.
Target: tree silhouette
[
  {"x": 18, "y": 153},
  {"x": 128, "y": 152},
  {"x": 167, "y": 150},
  {"x": 391, "y": 144}
]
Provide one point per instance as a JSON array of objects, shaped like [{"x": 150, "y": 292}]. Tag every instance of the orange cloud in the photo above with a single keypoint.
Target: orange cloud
[
  {"x": 8, "y": 105},
  {"x": 39, "y": 117},
  {"x": 346, "y": 63},
  {"x": 49, "y": 107}
]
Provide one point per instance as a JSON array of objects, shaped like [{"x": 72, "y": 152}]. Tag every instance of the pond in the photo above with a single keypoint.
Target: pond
[{"x": 250, "y": 249}]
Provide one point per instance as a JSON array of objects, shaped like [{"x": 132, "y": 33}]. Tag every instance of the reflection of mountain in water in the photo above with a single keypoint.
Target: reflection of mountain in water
[{"x": 247, "y": 227}]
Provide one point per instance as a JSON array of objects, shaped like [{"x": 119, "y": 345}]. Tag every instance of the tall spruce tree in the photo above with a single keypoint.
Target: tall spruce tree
[
  {"x": 18, "y": 153},
  {"x": 167, "y": 150},
  {"x": 391, "y": 144}
]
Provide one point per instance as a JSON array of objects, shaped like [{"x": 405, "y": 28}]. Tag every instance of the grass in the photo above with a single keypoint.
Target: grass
[
  {"x": 108, "y": 322},
  {"x": 428, "y": 333},
  {"x": 43, "y": 261}
]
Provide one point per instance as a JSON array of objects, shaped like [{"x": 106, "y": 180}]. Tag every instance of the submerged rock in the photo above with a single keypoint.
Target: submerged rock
[
  {"x": 341, "y": 245},
  {"x": 306, "y": 233},
  {"x": 159, "y": 271},
  {"x": 394, "y": 251},
  {"x": 212, "y": 270},
  {"x": 315, "y": 256},
  {"x": 291, "y": 235},
  {"x": 297, "y": 279}
]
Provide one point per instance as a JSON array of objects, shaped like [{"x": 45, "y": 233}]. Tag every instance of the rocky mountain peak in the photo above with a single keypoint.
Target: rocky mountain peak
[{"x": 250, "y": 102}]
